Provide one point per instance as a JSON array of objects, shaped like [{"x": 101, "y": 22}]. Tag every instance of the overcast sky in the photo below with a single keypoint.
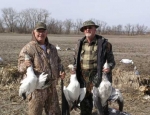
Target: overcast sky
[{"x": 113, "y": 12}]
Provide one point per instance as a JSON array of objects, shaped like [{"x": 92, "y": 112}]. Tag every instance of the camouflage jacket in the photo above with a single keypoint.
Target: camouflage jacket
[{"x": 48, "y": 62}]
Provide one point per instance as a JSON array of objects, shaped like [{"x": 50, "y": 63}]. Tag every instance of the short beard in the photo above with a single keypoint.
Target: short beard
[{"x": 88, "y": 35}]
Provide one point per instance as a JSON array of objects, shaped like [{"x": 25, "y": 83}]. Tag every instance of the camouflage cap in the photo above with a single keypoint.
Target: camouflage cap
[
  {"x": 40, "y": 25},
  {"x": 88, "y": 23}
]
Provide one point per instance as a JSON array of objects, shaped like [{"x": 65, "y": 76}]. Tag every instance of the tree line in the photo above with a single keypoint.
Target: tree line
[{"x": 25, "y": 20}]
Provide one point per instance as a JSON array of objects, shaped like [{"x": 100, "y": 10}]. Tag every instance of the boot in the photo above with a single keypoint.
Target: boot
[{"x": 105, "y": 109}]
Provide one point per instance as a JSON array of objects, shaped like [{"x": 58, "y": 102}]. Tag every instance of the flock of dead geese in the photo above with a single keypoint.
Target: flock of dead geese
[{"x": 74, "y": 94}]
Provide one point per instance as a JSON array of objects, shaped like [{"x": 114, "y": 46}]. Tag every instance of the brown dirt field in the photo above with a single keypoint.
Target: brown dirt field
[{"x": 136, "y": 48}]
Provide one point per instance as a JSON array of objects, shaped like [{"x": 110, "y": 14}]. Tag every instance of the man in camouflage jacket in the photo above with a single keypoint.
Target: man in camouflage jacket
[
  {"x": 43, "y": 58},
  {"x": 91, "y": 53}
]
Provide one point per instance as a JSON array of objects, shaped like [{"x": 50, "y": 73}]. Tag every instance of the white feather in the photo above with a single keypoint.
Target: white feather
[
  {"x": 41, "y": 80},
  {"x": 73, "y": 90},
  {"x": 31, "y": 82},
  {"x": 105, "y": 89},
  {"x": 106, "y": 65},
  {"x": 107, "y": 92},
  {"x": 116, "y": 95},
  {"x": 82, "y": 93},
  {"x": 28, "y": 84}
]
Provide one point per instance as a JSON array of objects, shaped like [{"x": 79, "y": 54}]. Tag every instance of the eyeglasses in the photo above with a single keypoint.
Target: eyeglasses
[{"x": 87, "y": 27}]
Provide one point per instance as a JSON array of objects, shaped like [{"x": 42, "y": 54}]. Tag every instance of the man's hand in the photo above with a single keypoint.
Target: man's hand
[
  {"x": 106, "y": 67},
  {"x": 62, "y": 75},
  {"x": 28, "y": 63},
  {"x": 106, "y": 70}
]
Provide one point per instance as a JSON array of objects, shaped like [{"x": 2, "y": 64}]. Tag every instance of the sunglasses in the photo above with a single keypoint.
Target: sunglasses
[{"x": 87, "y": 27}]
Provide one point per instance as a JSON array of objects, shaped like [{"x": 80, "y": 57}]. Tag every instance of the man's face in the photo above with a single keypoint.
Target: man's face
[
  {"x": 89, "y": 31},
  {"x": 40, "y": 35}
]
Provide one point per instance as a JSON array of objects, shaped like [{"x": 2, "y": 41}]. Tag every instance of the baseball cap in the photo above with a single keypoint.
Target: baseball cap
[{"x": 40, "y": 25}]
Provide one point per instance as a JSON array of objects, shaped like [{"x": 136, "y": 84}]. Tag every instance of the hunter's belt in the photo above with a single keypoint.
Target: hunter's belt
[{"x": 88, "y": 74}]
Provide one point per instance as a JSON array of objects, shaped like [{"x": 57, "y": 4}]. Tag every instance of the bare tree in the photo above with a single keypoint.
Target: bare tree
[
  {"x": 68, "y": 24},
  {"x": 27, "y": 18},
  {"x": 102, "y": 26},
  {"x": 42, "y": 15},
  {"x": 108, "y": 30},
  {"x": 128, "y": 28},
  {"x": 60, "y": 27},
  {"x": 133, "y": 30},
  {"x": 141, "y": 29},
  {"x": 1, "y": 26},
  {"x": 113, "y": 30},
  {"x": 32, "y": 16},
  {"x": 51, "y": 26},
  {"x": 77, "y": 25},
  {"x": 119, "y": 30},
  {"x": 9, "y": 16},
  {"x": 55, "y": 26},
  {"x": 22, "y": 22}
]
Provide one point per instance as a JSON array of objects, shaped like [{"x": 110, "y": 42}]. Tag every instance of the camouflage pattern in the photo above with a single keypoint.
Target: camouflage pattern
[
  {"x": 88, "y": 77},
  {"x": 40, "y": 25},
  {"x": 86, "y": 105},
  {"x": 42, "y": 62}
]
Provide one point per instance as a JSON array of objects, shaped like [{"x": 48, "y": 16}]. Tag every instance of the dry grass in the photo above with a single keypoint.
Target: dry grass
[{"x": 135, "y": 48}]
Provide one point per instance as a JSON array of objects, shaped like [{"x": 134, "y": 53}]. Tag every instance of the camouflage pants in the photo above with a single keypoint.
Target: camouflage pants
[
  {"x": 46, "y": 99},
  {"x": 88, "y": 77},
  {"x": 87, "y": 103}
]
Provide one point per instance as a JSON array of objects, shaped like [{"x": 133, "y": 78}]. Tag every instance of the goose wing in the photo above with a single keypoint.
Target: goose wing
[
  {"x": 41, "y": 80},
  {"x": 97, "y": 100}
]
